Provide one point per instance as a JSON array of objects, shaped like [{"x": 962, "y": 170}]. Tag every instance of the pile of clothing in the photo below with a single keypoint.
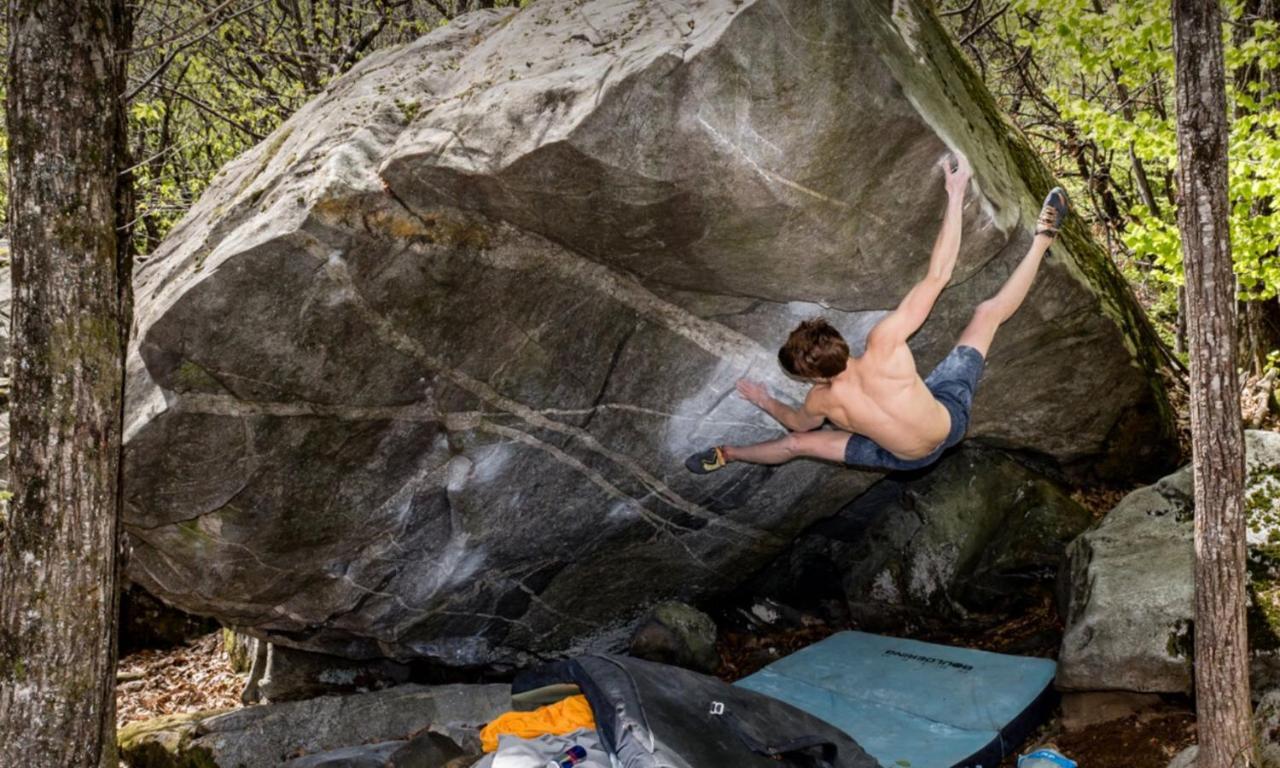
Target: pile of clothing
[
  {"x": 537, "y": 738},
  {"x": 621, "y": 712}
]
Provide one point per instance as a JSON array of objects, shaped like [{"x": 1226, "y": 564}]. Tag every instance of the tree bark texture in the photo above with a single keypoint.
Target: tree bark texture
[
  {"x": 58, "y": 542},
  {"x": 1223, "y": 713}
]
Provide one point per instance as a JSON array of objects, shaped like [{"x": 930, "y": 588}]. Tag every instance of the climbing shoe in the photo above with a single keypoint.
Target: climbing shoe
[
  {"x": 706, "y": 462},
  {"x": 1053, "y": 214}
]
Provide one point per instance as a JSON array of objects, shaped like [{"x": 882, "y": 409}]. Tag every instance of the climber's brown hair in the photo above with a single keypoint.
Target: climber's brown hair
[{"x": 814, "y": 350}]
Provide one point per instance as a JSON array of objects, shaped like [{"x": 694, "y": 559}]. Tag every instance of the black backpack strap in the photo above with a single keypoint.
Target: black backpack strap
[{"x": 800, "y": 744}]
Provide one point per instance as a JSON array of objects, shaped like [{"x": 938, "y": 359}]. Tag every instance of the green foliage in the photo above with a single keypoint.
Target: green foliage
[
  {"x": 1273, "y": 362},
  {"x": 209, "y": 79},
  {"x": 1092, "y": 84},
  {"x": 212, "y": 81},
  {"x": 1109, "y": 69}
]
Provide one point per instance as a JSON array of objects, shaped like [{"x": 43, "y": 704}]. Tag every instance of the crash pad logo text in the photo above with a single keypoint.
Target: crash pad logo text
[{"x": 930, "y": 660}]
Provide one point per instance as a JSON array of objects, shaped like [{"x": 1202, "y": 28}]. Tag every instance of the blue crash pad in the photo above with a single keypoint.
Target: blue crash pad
[{"x": 912, "y": 704}]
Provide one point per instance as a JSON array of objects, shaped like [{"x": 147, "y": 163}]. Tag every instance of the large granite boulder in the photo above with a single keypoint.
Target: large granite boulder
[
  {"x": 1129, "y": 586},
  {"x": 416, "y": 376}
]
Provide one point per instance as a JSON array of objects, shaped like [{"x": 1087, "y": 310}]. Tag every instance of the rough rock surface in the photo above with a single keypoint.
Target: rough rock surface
[
  {"x": 416, "y": 375},
  {"x": 268, "y": 735},
  {"x": 291, "y": 674},
  {"x": 1129, "y": 585},
  {"x": 364, "y": 756},
  {"x": 677, "y": 634},
  {"x": 1266, "y": 718},
  {"x": 970, "y": 535},
  {"x": 240, "y": 649},
  {"x": 427, "y": 750},
  {"x": 146, "y": 622}
]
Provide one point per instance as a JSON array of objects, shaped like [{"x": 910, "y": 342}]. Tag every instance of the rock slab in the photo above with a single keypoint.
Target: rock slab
[
  {"x": 416, "y": 376},
  {"x": 269, "y": 735},
  {"x": 291, "y": 675}
]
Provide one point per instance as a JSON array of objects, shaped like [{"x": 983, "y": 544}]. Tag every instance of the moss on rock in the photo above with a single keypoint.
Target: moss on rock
[
  {"x": 165, "y": 742},
  {"x": 191, "y": 377},
  {"x": 239, "y": 650}
]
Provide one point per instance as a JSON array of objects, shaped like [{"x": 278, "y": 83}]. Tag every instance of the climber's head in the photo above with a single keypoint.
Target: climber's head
[{"x": 814, "y": 350}]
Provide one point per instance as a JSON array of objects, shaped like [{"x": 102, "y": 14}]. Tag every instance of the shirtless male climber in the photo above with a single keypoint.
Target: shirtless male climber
[{"x": 886, "y": 416}]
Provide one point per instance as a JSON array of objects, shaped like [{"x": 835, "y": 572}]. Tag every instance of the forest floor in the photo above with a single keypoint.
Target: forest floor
[
  {"x": 188, "y": 678},
  {"x": 198, "y": 676}
]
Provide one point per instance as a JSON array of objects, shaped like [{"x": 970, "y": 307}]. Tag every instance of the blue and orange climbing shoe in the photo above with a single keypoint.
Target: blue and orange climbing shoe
[
  {"x": 1053, "y": 213},
  {"x": 706, "y": 462}
]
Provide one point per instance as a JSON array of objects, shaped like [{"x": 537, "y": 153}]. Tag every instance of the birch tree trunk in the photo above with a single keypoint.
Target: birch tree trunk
[
  {"x": 1224, "y": 720},
  {"x": 58, "y": 544}
]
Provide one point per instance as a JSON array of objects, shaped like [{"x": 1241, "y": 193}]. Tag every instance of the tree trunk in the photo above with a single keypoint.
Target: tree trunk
[
  {"x": 1180, "y": 325},
  {"x": 58, "y": 545},
  {"x": 1260, "y": 323},
  {"x": 1224, "y": 721}
]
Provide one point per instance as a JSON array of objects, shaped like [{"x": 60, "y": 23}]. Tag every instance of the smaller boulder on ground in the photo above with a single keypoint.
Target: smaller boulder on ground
[
  {"x": 267, "y": 736},
  {"x": 678, "y": 634},
  {"x": 1129, "y": 585},
  {"x": 363, "y": 756},
  {"x": 292, "y": 674},
  {"x": 426, "y": 750}
]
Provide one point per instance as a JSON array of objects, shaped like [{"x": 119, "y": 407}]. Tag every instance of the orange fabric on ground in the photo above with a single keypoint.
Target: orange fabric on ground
[{"x": 562, "y": 717}]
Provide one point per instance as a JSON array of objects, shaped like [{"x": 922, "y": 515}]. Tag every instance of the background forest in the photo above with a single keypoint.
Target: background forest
[
  {"x": 208, "y": 79},
  {"x": 1089, "y": 82}
]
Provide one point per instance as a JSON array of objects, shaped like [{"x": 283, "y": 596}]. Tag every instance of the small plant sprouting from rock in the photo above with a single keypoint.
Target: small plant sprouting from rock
[{"x": 409, "y": 109}]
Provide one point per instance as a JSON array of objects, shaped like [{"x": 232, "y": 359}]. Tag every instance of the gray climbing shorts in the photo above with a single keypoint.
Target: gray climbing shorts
[{"x": 952, "y": 383}]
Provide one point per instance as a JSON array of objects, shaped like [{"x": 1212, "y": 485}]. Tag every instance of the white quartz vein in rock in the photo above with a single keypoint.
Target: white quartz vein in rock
[
  {"x": 765, "y": 173},
  {"x": 394, "y": 337}
]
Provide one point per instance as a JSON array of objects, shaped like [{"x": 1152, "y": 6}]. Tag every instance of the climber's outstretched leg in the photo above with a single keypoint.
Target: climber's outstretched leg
[
  {"x": 826, "y": 444},
  {"x": 991, "y": 313}
]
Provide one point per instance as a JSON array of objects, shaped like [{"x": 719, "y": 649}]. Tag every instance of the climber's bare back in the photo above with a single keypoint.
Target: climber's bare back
[{"x": 881, "y": 395}]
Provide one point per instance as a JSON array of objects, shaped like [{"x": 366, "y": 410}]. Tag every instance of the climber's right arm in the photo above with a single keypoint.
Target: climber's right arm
[{"x": 802, "y": 419}]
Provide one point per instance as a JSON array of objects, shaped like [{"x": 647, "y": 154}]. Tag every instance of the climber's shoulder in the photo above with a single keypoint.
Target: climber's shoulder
[{"x": 884, "y": 346}]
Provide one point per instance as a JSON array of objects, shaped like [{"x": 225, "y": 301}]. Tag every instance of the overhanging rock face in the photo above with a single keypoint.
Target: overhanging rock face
[{"x": 416, "y": 375}]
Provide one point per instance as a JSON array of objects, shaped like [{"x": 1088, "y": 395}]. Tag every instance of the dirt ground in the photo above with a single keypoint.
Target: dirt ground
[
  {"x": 198, "y": 676},
  {"x": 1148, "y": 741}
]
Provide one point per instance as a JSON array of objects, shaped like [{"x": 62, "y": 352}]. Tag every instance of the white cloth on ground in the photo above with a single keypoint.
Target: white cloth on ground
[{"x": 515, "y": 752}]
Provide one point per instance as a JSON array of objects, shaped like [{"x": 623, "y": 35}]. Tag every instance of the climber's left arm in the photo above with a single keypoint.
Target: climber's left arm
[{"x": 914, "y": 309}]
